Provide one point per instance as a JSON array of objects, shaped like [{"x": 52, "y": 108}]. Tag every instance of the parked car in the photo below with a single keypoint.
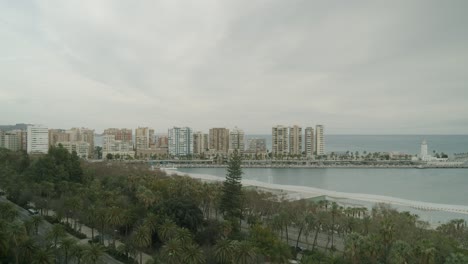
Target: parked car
[{"x": 33, "y": 211}]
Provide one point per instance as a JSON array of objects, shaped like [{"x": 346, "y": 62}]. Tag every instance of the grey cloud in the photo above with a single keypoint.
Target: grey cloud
[{"x": 357, "y": 67}]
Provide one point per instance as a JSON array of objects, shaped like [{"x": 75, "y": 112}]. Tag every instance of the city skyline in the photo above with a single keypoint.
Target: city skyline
[{"x": 361, "y": 68}]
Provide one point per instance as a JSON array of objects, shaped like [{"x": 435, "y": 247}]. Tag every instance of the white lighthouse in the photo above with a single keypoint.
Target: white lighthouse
[{"x": 424, "y": 150}]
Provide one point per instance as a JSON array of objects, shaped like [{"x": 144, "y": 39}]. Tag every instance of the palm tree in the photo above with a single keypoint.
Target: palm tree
[
  {"x": 167, "y": 230},
  {"x": 77, "y": 251},
  {"x": 36, "y": 220},
  {"x": 193, "y": 254},
  {"x": 93, "y": 252},
  {"x": 352, "y": 247},
  {"x": 183, "y": 235},
  {"x": 244, "y": 252},
  {"x": 172, "y": 252},
  {"x": 56, "y": 233},
  {"x": 224, "y": 251},
  {"x": 115, "y": 219},
  {"x": 152, "y": 222},
  {"x": 4, "y": 237},
  {"x": 141, "y": 238},
  {"x": 400, "y": 253},
  {"x": 28, "y": 248},
  {"x": 43, "y": 256},
  {"x": 17, "y": 235},
  {"x": 66, "y": 246},
  {"x": 9, "y": 212}
]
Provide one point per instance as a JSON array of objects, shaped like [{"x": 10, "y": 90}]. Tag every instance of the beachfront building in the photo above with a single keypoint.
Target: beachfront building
[
  {"x": 122, "y": 134},
  {"x": 144, "y": 138},
  {"x": 180, "y": 141},
  {"x": 319, "y": 140},
  {"x": 200, "y": 143},
  {"x": 80, "y": 147},
  {"x": 10, "y": 140},
  {"x": 236, "y": 141},
  {"x": 219, "y": 140},
  {"x": 280, "y": 140},
  {"x": 161, "y": 141},
  {"x": 295, "y": 140},
  {"x": 117, "y": 148},
  {"x": 256, "y": 148},
  {"x": 309, "y": 142},
  {"x": 82, "y": 135},
  {"x": 58, "y": 135},
  {"x": 38, "y": 139}
]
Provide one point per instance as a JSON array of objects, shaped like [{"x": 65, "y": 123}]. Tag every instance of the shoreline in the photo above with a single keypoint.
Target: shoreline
[
  {"x": 328, "y": 166},
  {"x": 294, "y": 192}
]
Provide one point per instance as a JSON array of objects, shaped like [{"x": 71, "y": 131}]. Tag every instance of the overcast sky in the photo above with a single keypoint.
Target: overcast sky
[{"x": 357, "y": 67}]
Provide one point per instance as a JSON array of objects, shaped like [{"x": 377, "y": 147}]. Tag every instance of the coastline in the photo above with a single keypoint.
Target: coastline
[
  {"x": 294, "y": 192},
  {"x": 431, "y": 166}
]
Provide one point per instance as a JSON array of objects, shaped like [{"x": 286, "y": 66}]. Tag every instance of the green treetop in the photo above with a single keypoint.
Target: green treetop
[{"x": 231, "y": 199}]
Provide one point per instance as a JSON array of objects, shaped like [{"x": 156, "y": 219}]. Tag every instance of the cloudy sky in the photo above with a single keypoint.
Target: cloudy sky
[{"x": 358, "y": 67}]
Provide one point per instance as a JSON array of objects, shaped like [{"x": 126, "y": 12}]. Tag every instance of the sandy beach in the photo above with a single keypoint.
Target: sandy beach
[{"x": 292, "y": 192}]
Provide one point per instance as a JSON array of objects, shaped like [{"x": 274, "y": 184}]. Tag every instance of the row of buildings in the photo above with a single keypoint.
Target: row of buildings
[
  {"x": 36, "y": 139},
  {"x": 179, "y": 142},
  {"x": 289, "y": 141}
]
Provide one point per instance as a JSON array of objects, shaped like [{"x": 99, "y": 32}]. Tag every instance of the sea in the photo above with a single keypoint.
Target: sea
[{"x": 438, "y": 186}]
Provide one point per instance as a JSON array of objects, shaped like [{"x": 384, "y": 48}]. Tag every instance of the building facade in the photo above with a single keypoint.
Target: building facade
[
  {"x": 10, "y": 140},
  {"x": 295, "y": 140},
  {"x": 80, "y": 147},
  {"x": 180, "y": 141},
  {"x": 123, "y": 134},
  {"x": 319, "y": 140},
  {"x": 219, "y": 140},
  {"x": 309, "y": 142},
  {"x": 38, "y": 139},
  {"x": 200, "y": 143},
  {"x": 236, "y": 141},
  {"x": 144, "y": 138},
  {"x": 117, "y": 148},
  {"x": 83, "y": 135},
  {"x": 280, "y": 140},
  {"x": 58, "y": 135}
]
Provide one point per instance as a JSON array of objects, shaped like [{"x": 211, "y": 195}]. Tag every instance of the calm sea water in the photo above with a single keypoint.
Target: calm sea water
[{"x": 446, "y": 186}]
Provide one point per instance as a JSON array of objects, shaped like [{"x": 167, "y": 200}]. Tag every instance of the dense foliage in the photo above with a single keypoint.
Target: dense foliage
[{"x": 181, "y": 220}]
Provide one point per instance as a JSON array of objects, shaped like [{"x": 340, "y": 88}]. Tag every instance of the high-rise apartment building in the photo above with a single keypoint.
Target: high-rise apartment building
[
  {"x": 200, "y": 142},
  {"x": 123, "y": 134},
  {"x": 256, "y": 145},
  {"x": 280, "y": 140},
  {"x": 13, "y": 140},
  {"x": 144, "y": 138},
  {"x": 180, "y": 141},
  {"x": 115, "y": 147},
  {"x": 80, "y": 147},
  {"x": 319, "y": 140},
  {"x": 219, "y": 140},
  {"x": 162, "y": 141},
  {"x": 38, "y": 139},
  {"x": 309, "y": 142},
  {"x": 236, "y": 141},
  {"x": 58, "y": 135},
  {"x": 10, "y": 140},
  {"x": 82, "y": 135},
  {"x": 295, "y": 140}
]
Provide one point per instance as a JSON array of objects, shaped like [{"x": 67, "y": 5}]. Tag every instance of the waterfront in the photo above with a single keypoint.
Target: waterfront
[{"x": 438, "y": 186}]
